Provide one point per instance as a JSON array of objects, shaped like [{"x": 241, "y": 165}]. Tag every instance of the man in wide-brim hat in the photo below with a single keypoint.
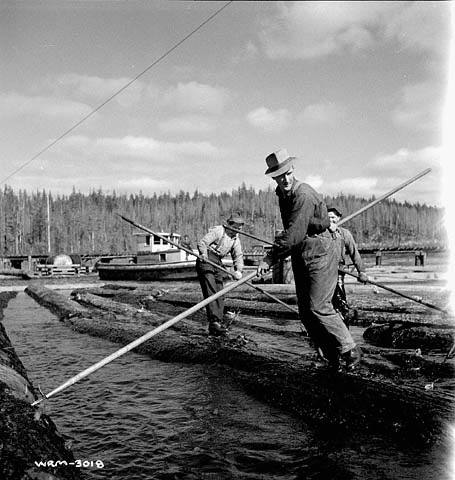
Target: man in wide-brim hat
[
  {"x": 315, "y": 255},
  {"x": 214, "y": 246}
]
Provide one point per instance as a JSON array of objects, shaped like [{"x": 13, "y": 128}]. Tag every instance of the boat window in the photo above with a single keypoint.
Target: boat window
[
  {"x": 156, "y": 240},
  {"x": 147, "y": 239},
  {"x": 162, "y": 257}
]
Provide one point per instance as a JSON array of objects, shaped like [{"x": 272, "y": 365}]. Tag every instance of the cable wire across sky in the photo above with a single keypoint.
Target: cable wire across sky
[{"x": 120, "y": 90}]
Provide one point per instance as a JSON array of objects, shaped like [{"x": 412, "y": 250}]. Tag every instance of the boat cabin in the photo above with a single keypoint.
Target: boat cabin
[{"x": 153, "y": 249}]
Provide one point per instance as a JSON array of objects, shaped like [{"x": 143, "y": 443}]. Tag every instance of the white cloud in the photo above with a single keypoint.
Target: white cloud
[
  {"x": 314, "y": 180},
  {"x": 314, "y": 29},
  {"x": 96, "y": 88},
  {"x": 420, "y": 107},
  {"x": 144, "y": 183},
  {"x": 250, "y": 51},
  {"x": 187, "y": 124},
  {"x": 405, "y": 160},
  {"x": 360, "y": 186},
  {"x": 404, "y": 164},
  {"x": 130, "y": 155},
  {"x": 322, "y": 114},
  {"x": 385, "y": 172},
  {"x": 14, "y": 105},
  {"x": 196, "y": 97},
  {"x": 420, "y": 25},
  {"x": 270, "y": 121},
  {"x": 152, "y": 91},
  {"x": 125, "y": 164},
  {"x": 146, "y": 147}
]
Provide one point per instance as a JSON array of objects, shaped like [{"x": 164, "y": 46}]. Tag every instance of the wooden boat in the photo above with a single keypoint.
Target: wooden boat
[
  {"x": 155, "y": 260},
  {"x": 147, "y": 272}
]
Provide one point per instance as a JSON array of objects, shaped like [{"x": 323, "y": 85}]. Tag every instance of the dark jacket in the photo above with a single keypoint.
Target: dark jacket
[{"x": 303, "y": 213}]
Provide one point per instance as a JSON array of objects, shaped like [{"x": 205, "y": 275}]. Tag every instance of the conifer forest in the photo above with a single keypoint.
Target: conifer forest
[{"x": 88, "y": 224}]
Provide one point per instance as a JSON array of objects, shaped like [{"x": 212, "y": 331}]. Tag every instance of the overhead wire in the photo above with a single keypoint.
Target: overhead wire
[{"x": 120, "y": 90}]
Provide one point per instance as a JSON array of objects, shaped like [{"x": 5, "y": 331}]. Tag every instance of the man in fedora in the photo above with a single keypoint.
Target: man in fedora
[
  {"x": 348, "y": 248},
  {"x": 214, "y": 246},
  {"x": 314, "y": 255}
]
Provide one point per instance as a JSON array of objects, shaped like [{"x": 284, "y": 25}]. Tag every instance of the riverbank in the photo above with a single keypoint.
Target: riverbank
[{"x": 27, "y": 434}]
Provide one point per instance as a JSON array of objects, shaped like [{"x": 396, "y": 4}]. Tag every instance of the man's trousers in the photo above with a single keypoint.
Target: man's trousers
[
  {"x": 211, "y": 280},
  {"x": 315, "y": 267}
]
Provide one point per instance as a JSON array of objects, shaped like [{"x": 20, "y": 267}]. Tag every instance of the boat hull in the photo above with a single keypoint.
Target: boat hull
[{"x": 148, "y": 272}]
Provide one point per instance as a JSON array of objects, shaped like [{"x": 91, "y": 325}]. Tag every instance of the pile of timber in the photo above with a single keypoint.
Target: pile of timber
[
  {"x": 27, "y": 435},
  {"x": 401, "y": 392}
]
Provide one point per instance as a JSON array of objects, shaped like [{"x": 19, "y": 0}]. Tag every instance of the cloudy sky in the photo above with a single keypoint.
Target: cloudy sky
[{"x": 355, "y": 90}]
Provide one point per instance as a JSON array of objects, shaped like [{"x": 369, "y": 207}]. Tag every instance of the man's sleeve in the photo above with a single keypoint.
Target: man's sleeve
[
  {"x": 352, "y": 250},
  {"x": 237, "y": 255},
  {"x": 210, "y": 237}
]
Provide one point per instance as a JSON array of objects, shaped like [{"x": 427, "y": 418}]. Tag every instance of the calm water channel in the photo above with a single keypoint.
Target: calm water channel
[{"x": 146, "y": 419}]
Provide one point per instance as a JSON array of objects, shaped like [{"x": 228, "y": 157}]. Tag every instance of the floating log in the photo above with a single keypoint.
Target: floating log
[
  {"x": 27, "y": 435},
  {"x": 95, "y": 301},
  {"x": 278, "y": 369},
  {"x": 57, "y": 303},
  {"x": 358, "y": 316},
  {"x": 408, "y": 336},
  {"x": 111, "y": 291}
]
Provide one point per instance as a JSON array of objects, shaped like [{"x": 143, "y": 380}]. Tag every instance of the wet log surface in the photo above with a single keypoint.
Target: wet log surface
[
  {"x": 403, "y": 391},
  {"x": 26, "y": 433}
]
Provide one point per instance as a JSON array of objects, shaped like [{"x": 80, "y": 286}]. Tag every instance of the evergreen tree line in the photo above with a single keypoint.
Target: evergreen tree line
[{"x": 31, "y": 223}]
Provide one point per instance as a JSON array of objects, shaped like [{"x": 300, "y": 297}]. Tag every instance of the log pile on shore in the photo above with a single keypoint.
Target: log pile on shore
[
  {"x": 27, "y": 435},
  {"x": 406, "y": 392}
]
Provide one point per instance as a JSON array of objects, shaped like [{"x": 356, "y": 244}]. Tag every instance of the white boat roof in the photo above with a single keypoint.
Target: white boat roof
[{"x": 163, "y": 234}]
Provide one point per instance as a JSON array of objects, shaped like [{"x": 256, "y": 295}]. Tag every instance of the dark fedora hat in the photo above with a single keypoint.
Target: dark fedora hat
[
  {"x": 278, "y": 163},
  {"x": 335, "y": 211}
]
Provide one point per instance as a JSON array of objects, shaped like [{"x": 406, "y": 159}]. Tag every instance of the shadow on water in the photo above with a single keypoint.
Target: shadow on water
[{"x": 146, "y": 419}]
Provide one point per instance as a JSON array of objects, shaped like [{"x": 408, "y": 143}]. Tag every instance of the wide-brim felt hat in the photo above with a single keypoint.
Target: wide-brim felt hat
[
  {"x": 335, "y": 211},
  {"x": 278, "y": 162},
  {"x": 236, "y": 219}
]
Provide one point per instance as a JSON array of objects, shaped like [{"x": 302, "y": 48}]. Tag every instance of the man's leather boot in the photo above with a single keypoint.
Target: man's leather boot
[
  {"x": 216, "y": 329},
  {"x": 352, "y": 358},
  {"x": 334, "y": 364}
]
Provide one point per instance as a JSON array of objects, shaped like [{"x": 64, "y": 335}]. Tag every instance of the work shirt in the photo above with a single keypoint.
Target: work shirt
[
  {"x": 349, "y": 248},
  {"x": 218, "y": 242},
  {"x": 303, "y": 213}
]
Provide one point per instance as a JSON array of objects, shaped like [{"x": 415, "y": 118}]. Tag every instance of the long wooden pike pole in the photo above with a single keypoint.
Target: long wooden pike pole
[
  {"x": 452, "y": 348},
  {"x": 187, "y": 250},
  {"x": 386, "y": 195},
  {"x": 248, "y": 235},
  {"x": 353, "y": 215},
  {"x": 385, "y": 287},
  {"x": 144, "y": 338}
]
